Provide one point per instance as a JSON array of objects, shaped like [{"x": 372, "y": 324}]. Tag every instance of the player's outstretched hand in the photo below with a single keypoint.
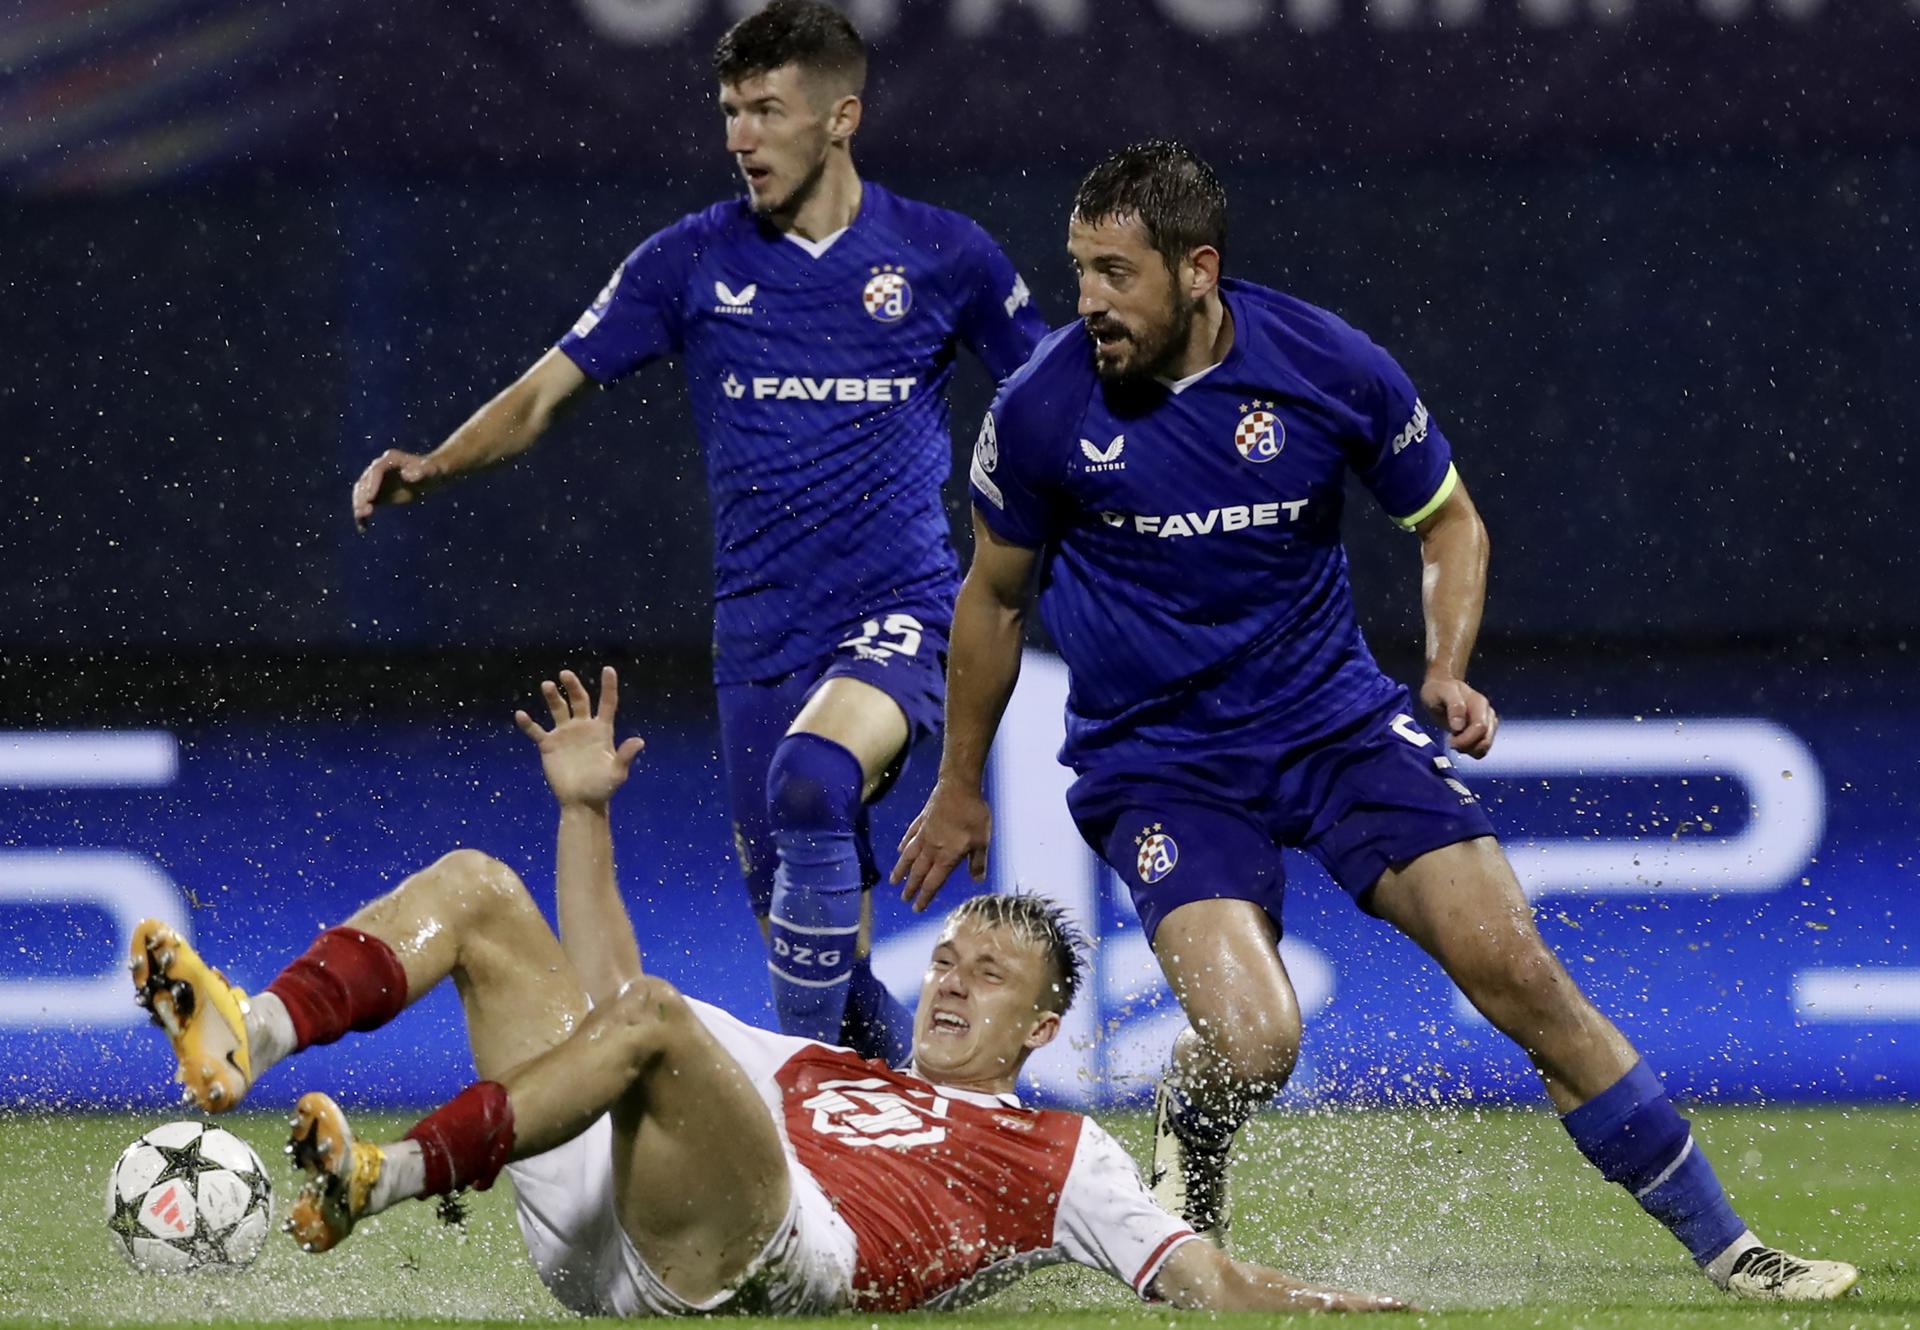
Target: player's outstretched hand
[
  {"x": 1200, "y": 1277},
  {"x": 956, "y": 824},
  {"x": 578, "y": 753},
  {"x": 1464, "y": 713},
  {"x": 392, "y": 477}
]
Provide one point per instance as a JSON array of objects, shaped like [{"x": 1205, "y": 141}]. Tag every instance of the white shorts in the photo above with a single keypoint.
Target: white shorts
[{"x": 567, "y": 1215}]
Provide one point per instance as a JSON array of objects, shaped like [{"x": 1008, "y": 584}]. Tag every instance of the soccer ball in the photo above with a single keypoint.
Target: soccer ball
[{"x": 189, "y": 1196}]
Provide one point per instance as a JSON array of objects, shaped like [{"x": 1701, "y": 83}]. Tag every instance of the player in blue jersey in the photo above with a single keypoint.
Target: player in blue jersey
[
  {"x": 817, "y": 319},
  {"x": 1170, "y": 471}
]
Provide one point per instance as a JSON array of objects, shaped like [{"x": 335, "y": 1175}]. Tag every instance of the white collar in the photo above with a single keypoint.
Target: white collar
[
  {"x": 1178, "y": 386},
  {"x": 978, "y": 1098},
  {"x": 815, "y": 248}
]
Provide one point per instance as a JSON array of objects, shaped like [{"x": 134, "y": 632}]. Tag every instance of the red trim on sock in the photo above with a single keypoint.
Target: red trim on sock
[
  {"x": 466, "y": 1142},
  {"x": 347, "y": 980}
]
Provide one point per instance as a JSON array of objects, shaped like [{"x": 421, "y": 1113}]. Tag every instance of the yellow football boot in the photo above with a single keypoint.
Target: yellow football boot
[
  {"x": 205, "y": 1017},
  {"x": 340, "y": 1173}
]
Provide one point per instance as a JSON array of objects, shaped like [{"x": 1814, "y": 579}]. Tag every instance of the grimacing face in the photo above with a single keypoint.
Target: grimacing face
[
  {"x": 778, "y": 137},
  {"x": 1130, "y": 302},
  {"x": 979, "y": 1012}
]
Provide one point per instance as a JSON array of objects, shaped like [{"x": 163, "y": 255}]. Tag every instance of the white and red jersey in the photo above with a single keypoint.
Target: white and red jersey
[{"x": 950, "y": 1194}]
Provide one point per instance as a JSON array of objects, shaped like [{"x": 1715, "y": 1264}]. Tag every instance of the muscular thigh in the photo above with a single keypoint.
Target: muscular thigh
[
  {"x": 701, "y": 1172},
  {"x": 1464, "y": 906},
  {"x": 1222, "y": 961},
  {"x": 883, "y": 691},
  {"x": 521, "y": 997},
  {"x": 470, "y": 917}
]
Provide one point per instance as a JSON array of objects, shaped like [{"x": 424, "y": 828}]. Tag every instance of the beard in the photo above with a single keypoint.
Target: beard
[
  {"x": 1145, "y": 353},
  {"x": 796, "y": 198}
]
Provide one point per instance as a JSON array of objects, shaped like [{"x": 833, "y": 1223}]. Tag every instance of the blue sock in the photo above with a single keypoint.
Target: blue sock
[
  {"x": 813, "y": 799},
  {"x": 1631, "y": 1132},
  {"x": 1200, "y": 1129},
  {"x": 876, "y": 1025}
]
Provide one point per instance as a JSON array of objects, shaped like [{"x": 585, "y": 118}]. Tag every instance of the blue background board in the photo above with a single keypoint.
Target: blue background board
[{"x": 278, "y": 831}]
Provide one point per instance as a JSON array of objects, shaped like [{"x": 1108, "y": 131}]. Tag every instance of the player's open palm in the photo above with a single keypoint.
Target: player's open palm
[
  {"x": 582, "y": 764},
  {"x": 956, "y": 824}
]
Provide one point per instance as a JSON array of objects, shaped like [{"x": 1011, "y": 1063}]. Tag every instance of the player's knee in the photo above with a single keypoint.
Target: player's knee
[
  {"x": 477, "y": 893},
  {"x": 1253, "y": 1048},
  {"x": 475, "y": 882},
  {"x": 1262, "y": 1052},
  {"x": 644, "y": 1020},
  {"x": 1524, "y": 988},
  {"x": 813, "y": 785}
]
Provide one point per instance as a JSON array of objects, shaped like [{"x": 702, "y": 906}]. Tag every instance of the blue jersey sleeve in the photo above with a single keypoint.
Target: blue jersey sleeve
[
  {"x": 636, "y": 319},
  {"x": 1402, "y": 457},
  {"x": 1018, "y": 460},
  {"x": 997, "y": 317}
]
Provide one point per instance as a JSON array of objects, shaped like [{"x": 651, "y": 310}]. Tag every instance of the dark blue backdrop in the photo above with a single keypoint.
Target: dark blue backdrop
[
  {"x": 1754, "y": 978},
  {"x": 1679, "y": 388}
]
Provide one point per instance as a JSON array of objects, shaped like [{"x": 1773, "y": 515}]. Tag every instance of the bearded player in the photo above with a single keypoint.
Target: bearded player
[
  {"x": 817, "y": 319},
  {"x": 1171, "y": 468},
  {"x": 667, "y": 1158}
]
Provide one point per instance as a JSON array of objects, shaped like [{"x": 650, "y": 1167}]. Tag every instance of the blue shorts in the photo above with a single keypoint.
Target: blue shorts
[
  {"x": 902, "y": 653},
  {"x": 1379, "y": 792}
]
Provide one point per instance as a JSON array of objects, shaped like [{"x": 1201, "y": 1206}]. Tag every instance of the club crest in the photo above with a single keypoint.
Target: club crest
[
  {"x": 1159, "y": 853},
  {"x": 888, "y": 296},
  {"x": 1260, "y": 435}
]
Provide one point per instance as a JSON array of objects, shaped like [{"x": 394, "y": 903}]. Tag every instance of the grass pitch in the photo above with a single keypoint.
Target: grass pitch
[{"x": 1484, "y": 1218}]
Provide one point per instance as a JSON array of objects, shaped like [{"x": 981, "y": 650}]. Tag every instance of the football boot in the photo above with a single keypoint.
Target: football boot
[
  {"x": 1189, "y": 1180},
  {"x": 205, "y": 1016},
  {"x": 341, "y": 1173},
  {"x": 1766, "y": 1275}
]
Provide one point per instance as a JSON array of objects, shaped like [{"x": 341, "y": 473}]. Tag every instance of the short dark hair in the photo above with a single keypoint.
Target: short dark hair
[
  {"x": 1174, "y": 195},
  {"x": 814, "y": 36},
  {"x": 1037, "y": 920}
]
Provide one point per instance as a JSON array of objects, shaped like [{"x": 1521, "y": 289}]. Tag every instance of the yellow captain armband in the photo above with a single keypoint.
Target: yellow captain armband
[{"x": 1448, "y": 484}]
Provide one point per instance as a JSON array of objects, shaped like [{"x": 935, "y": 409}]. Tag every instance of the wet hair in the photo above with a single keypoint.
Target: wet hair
[
  {"x": 815, "y": 37},
  {"x": 1174, "y": 196},
  {"x": 1036, "y": 920}
]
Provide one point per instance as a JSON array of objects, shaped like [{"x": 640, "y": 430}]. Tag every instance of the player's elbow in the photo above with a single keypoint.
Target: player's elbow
[{"x": 1195, "y": 1278}]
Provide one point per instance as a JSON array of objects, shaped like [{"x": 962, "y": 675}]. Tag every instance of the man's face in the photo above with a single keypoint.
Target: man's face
[
  {"x": 1135, "y": 312},
  {"x": 777, "y": 136},
  {"x": 980, "y": 1007}
]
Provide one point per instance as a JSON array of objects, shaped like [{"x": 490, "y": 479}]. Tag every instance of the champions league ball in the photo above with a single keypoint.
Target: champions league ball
[{"x": 189, "y": 1196}]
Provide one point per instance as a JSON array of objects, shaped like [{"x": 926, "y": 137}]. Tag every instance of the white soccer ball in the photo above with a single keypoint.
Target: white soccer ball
[{"x": 189, "y": 1196}]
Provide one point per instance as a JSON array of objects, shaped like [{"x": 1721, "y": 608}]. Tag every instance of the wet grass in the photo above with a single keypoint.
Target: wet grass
[{"x": 1485, "y": 1218}]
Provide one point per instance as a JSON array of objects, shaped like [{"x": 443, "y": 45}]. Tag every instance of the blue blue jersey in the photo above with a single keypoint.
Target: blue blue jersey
[
  {"x": 818, "y": 378},
  {"x": 1192, "y": 571}
]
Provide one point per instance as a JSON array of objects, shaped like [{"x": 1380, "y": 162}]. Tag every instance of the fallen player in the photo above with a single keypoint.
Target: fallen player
[{"x": 669, "y": 1159}]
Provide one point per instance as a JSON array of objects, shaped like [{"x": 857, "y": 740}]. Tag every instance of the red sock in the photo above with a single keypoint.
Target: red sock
[
  {"x": 466, "y": 1142},
  {"x": 348, "y": 980}
]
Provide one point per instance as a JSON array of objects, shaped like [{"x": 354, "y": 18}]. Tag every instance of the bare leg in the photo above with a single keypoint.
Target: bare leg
[
  {"x": 861, "y": 719},
  {"x": 1463, "y": 904},
  {"x": 470, "y": 917},
  {"x": 697, "y": 1158},
  {"x": 1222, "y": 960}
]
